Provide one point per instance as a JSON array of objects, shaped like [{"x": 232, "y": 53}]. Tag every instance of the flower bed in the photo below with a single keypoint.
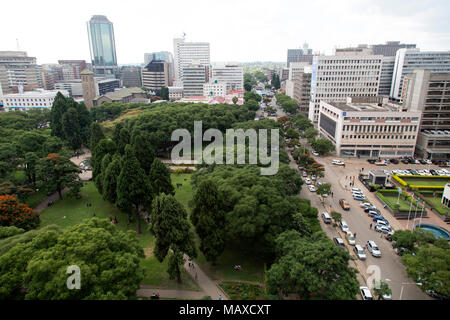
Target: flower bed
[{"x": 422, "y": 182}]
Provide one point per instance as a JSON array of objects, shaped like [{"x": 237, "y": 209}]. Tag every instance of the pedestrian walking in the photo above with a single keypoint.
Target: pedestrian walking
[
  {"x": 189, "y": 264},
  {"x": 355, "y": 235},
  {"x": 370, "y": 227},
  {"x": 220, "y": 297}
]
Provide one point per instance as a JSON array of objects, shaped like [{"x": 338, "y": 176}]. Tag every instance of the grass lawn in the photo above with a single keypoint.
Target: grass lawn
[
  {"x": 436, "y": 203},
  {"x": 156, "y": 275},
  {"x": 435, "y": 182},
  {"x": 184, "y": 193},
  {"x": 404, "y": 205}
]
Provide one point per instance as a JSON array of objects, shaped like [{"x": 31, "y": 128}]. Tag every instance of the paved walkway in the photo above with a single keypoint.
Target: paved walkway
[
  {"x": 147, "y": 291},
  {"x": 204, "y": 282}
]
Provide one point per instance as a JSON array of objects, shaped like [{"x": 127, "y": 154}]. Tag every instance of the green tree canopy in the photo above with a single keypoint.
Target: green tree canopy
[
  {"x": 172, "y": 230},
  {"x": 160, "y": 178},
  {"x": 108, "y": 258},
  {"x": 323, "y": 145}
]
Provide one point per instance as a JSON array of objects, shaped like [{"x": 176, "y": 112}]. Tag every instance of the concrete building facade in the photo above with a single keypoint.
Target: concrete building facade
[
  {"x": 155, "y": 75},
  {"x": 230, "y": 74},
  {"x": 348, "y": 73},
  {"x": 407, "y": 60},
  {"x": 131, "y": 77},
  {"x": 187, "y": 53},
  {"x": 214, "y": 88},
  {"x": 429, "y": 93},
  {"x": 73, "y": 87},
  {"x": 16, "y": 68},
  {"x": 369, "y": 127},
  {"x": 38, "y": 99},
  {"x": 194, "y": 77},
  {"x": 299, "y": 55}
]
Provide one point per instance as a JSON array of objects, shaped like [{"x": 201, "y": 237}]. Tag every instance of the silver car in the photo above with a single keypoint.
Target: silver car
[
  {"x": 373, "y": 249},
  {"x": 359, "y": 251}
]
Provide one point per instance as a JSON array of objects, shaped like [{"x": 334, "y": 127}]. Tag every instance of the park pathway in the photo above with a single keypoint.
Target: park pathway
[
  {"x": 207, "y": 285},
  {"x": 147, "y": 291}
]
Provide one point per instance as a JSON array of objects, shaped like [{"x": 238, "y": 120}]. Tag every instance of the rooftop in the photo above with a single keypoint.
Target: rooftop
[
  {"x": 367, "y": 104},
  {"x": 122, "y": 93}
]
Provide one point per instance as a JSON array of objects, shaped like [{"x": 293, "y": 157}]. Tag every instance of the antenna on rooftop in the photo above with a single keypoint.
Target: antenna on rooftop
[
  {"x": 184, "y": 35},
  {"x": 17, "y": 44}
]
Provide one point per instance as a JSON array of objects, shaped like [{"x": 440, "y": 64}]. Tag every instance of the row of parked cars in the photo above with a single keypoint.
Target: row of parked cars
[{"x": 422, "y": 172}]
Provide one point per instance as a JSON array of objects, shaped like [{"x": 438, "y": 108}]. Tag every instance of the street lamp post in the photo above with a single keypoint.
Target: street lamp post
[{"x": 410, "y": 206}]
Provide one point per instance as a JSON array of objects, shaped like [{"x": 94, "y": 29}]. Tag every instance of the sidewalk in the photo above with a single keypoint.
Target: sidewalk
[
  {"x": 204, "y": 281},
  {"x": 147, "y": 291}
]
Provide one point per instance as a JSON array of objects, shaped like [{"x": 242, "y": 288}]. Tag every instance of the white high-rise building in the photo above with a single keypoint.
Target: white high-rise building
[
  {"x": 232, "y": 75},
  {"x": 406, "y": 60},
  {"x": 195, "y": 76},
  {"x": 214, "y": 88},
  {"x": 186, "y": 53},
  {"x": 348, "y": 73}
]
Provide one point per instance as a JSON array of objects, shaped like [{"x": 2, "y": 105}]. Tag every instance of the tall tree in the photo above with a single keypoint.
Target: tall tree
[
  {"x": 143, "y": 149},
  {"x": 172, "y": 230},
  {"x": 160, "y": 178},
  {"x": 59, "y": 107},
  {"x": 72, "y": 129},
  {"x": 134, "y": 191},
  {"x": 164, "y": 93},
  {"x": 235, "y": 100},
  {"x": 208, "y": 218},
  {"x": 31, "y": 160},
  {"x": 96, "y": 135},
  {"x": 100, "y": 177},
  {"x": 116, "y": 133},
  {"x": 124, "y": 139},
  {"x": 103, "y": 147},
  {"x": 57, "y": 172},
  {"x": 110, "y": 177}
]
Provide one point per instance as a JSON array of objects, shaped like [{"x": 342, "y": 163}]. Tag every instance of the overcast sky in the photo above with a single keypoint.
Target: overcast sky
[{"x": 238, "y": 30}]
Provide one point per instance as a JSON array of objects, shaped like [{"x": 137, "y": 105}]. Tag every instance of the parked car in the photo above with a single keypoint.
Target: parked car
[
  {"x": 344, "y": 204},
  {"x": 359, "y": 198},
  {"x": 307, "y": 181},
  {"x": 313, "y": 177},
  {"x": 422, "y": 161},
  {"x": 394, "y": 161},
  {"x": 373, "y": 213},
  {"x": 312, "y": 188},
  {"x": 344, "y": 226},
  {"x": 326, "y": 217},
  {"x": 350, "y": 238},
  {"x": 356, "y": 190},
  {"x": 304, "y": 174},
  {"x": 382, "y": 223},
  {"x": 359, "y": 251},
  {"x": 365, "y": 293},
  {"x": 339, "y": 242},
  {"x": 404, "y": 161},
  {"x": 372, "y": 161},
  {"x": 337, "y": 162},
  {"x": 380, "y": 218},
  {"x": 373, "y": 248},
  {"x": 384, "y": 229},
  {"x": 314, "y": 153},
  {"x": 365, "y": 204}
]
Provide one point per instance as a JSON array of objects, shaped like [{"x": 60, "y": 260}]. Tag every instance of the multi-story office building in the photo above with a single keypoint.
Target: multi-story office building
[
  {"x": 16, "y": 68},
  {"x": 194, "y": 77},
  {"x": 37, "y": 99},
  {"x": 369, "y": 127},
  {"x": 102, "y": 46},
  {"x": 155, "y": 75},
  {"x": 387, "y": 70},
  {"x": 232, "y": 75},
  {"x": 214, "y": 88},
  {"x": 345, "y": 74},
  {"x": 73, "y": 87},
  {"x": 131, "y": 77},
  {"x": 406, "y": 60},
  {"x": 187, "y": 53},
  {"x": 71, "y": 69},
  {"x": 163, "y": 56},
  {"x": 96, "y": 86},
  {"x": 302, "y": 89},
  {"x": 429, "y": 93},
  {"x": 390, "y": 48},
  {"x": 105, "y": 85},
  {"x": 299, "y": 55}
]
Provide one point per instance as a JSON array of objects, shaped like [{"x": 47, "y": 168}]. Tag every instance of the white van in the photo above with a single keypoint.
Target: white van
[{"x": 326, "y": 217}]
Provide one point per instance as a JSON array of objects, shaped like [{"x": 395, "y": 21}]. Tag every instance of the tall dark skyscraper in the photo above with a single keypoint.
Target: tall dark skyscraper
[{"x": 102, "y": 46}]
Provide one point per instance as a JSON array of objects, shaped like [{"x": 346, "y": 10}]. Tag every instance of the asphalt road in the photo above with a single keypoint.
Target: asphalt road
[{"x": 391, "y": 269}]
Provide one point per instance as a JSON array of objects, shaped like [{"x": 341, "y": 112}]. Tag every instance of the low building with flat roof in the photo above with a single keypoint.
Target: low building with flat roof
[
  {"x": 124, "y": 95},
  {"x": 37, "y": 99},
  {"x": 369, "y": 127}
]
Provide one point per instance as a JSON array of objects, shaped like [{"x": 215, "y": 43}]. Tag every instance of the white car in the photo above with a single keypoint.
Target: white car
[
  {"x": 307, "y": 181},
  {"x": 312, "y": 188},
  {"x": 373, "y": 248},
  {"x": 350, "y": 238},
  {"x": 314, "y": 153},
  {"x": 338, "y": 162},
  {"x": 365, "y": 204},
  {"x": 384, "y": 229},
  {"x": 383, "y": 223},
  {"x": 356, "y": 190},
  {"x": 365, "y": 293},
  {"x": 344, "y": 226},
  {"x": 359, "y": 251},
  {"x": 313, "y": 177},
  {"x": 325, "y": 195}
]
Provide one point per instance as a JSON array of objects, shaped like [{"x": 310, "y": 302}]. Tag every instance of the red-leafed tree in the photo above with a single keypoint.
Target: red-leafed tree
[{"x": 13, "y": 213}]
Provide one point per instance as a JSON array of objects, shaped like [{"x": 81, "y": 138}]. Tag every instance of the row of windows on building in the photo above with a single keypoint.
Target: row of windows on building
[
  {"x": 348, "y": 73},
  {"x": 376, "y": 146},
  {"x": 12, "y": 104},
  {"x": 352, "y": 62},
  {"x": 384, "y": 137},
  {"x": 28, "y": 99},
  {"x": 379, "y": 128},
  {"x": 346, "y": 88}
]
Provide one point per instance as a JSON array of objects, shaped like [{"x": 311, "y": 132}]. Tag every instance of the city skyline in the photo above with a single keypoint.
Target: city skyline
[{"x": 236, "y": 31}]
